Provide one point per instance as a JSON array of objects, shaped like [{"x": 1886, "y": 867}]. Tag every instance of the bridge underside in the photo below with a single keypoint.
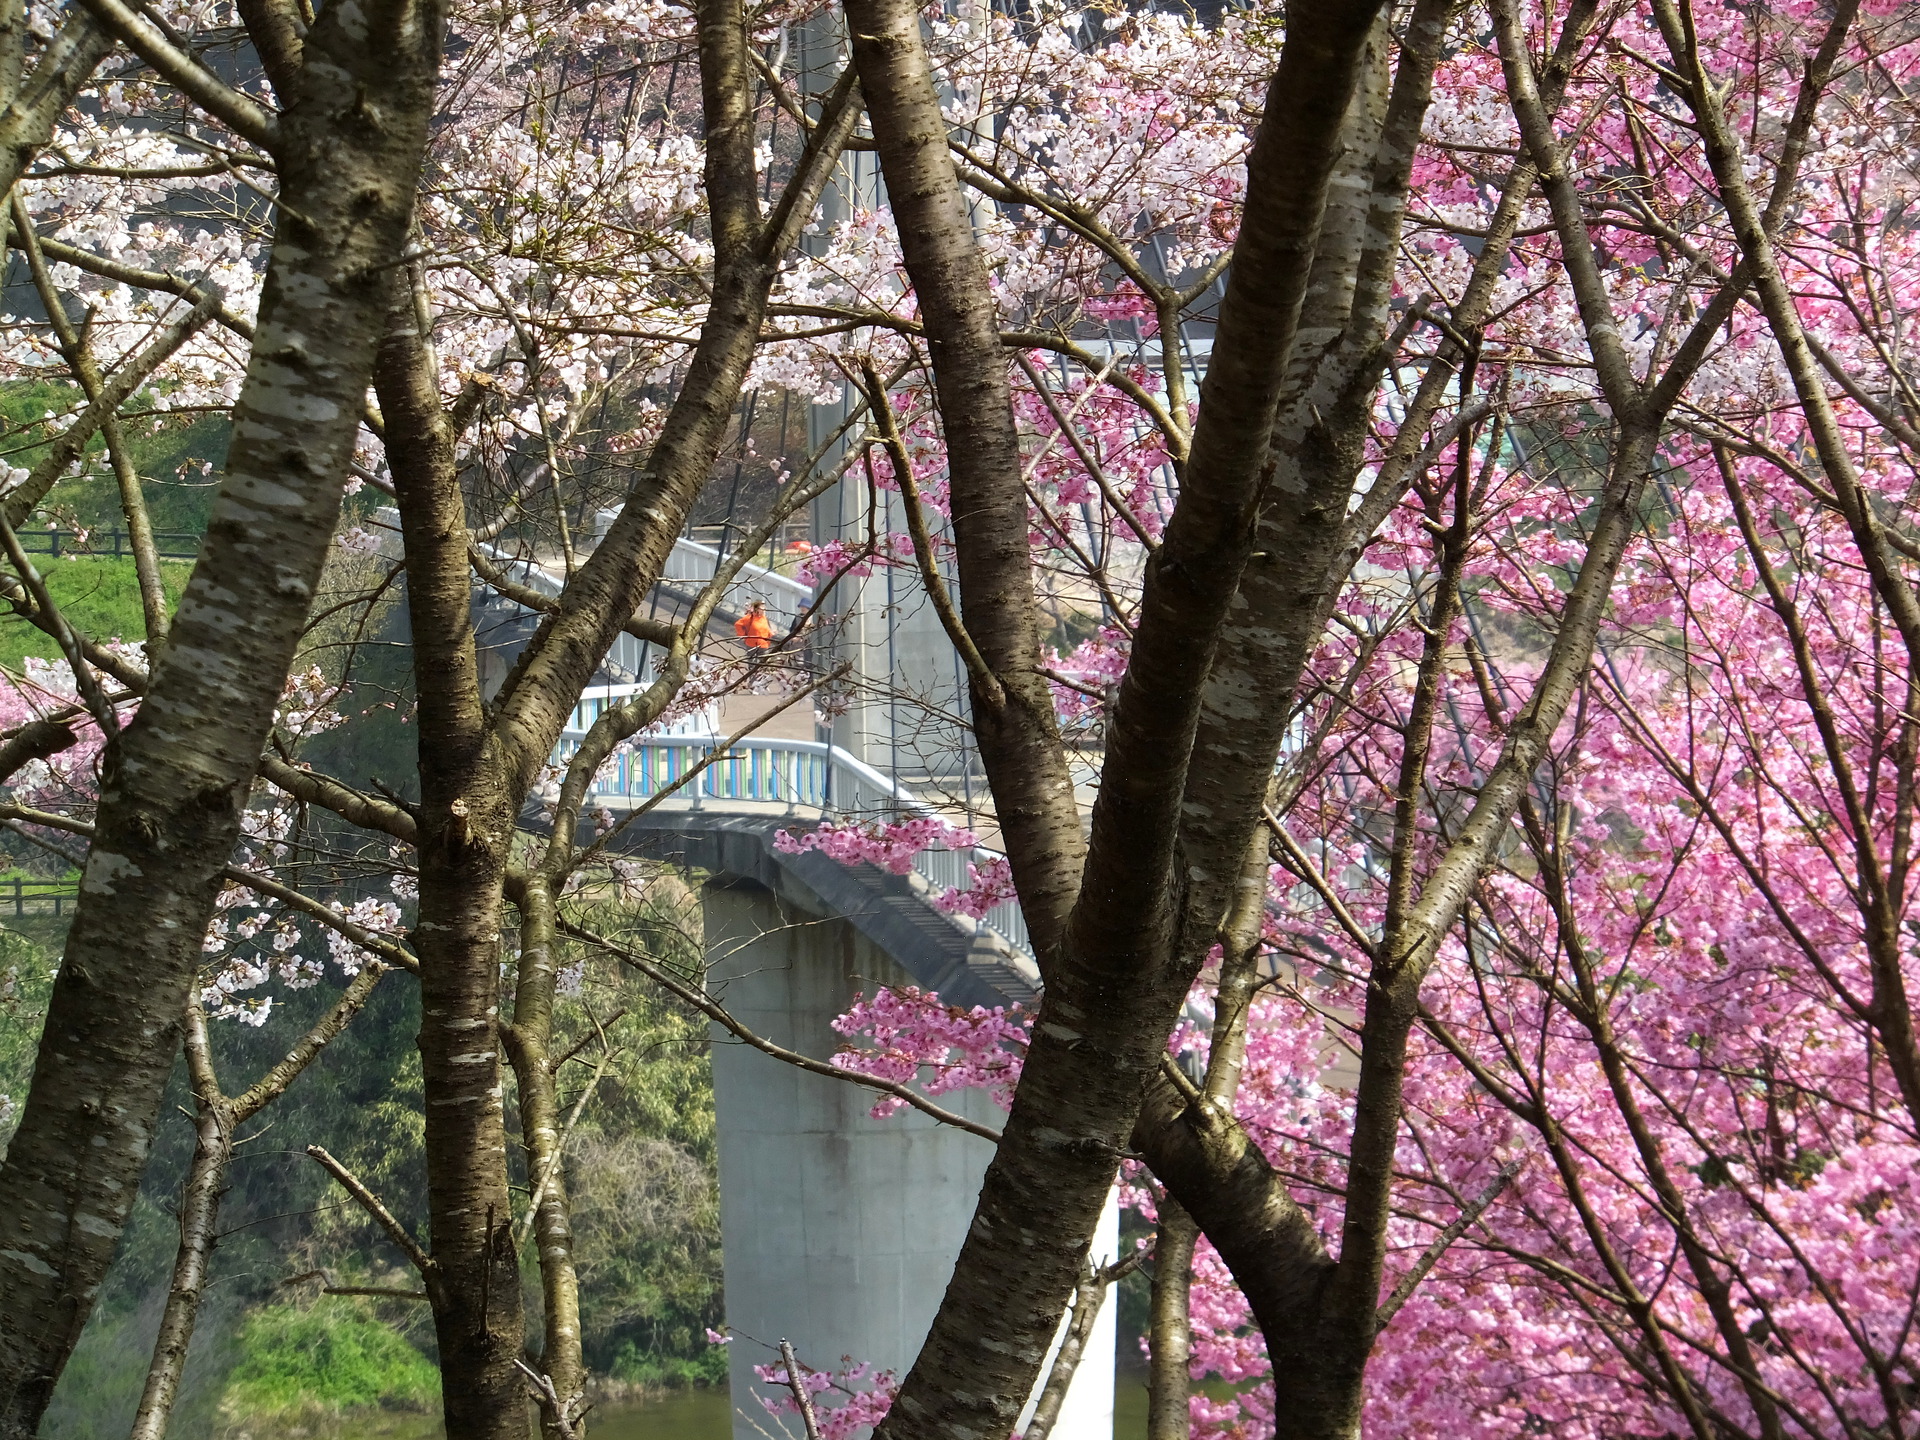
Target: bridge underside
[{"x": 966, "y": 962}]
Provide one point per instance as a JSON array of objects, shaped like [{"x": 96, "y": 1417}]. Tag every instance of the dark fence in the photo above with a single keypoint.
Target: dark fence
[
  {"x": 36, "y": 897},
  {"x": 168, "y": 544}
]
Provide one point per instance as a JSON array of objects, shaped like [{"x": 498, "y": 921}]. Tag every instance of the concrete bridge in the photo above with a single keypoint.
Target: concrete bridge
[{"x": 839, "y": 1230}]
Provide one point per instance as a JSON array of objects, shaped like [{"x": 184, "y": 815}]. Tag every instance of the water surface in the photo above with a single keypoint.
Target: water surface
[{"x": 672, "y": 1415}]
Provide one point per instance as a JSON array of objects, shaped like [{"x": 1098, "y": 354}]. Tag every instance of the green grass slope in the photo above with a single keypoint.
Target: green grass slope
[{"x": 99, "y": 597}]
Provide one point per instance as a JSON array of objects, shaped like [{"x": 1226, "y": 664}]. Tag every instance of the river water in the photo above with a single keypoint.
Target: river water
[
  {"x": 703, "y": 1415},
  {"x": 677, "y": 1415}
]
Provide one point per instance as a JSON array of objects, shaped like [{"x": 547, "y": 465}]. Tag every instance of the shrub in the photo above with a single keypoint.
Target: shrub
[{"x": 326, "y": 1358}]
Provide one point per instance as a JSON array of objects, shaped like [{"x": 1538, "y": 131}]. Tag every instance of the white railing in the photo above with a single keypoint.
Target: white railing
[
  {"x": 806, "y": 777},
  {"x": 787, "y": 599},
  {"x": 688, "y": 564}
]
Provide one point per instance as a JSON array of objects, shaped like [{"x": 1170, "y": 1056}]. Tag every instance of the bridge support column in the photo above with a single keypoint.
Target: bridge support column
[{"x": 839, "y": 1230}]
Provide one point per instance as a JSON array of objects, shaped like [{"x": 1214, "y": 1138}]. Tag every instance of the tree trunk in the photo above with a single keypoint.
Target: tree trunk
[
  {"x": 176, "y": 779},
  {"x": 466, "y": 831},
  {"x": 467, "y": 826},
  {"x": 477, "y": 763},
  {"x": 1012, "y": 704},
  {"x": 1169, "y": 1330},
  {"x": 1111, "y": 996},
  {"x": 529, "y": 1044},
  {"x": 199, "y": 1216}
]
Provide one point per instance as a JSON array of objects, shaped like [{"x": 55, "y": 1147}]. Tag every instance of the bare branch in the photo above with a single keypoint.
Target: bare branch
[
  {"x": 186, "y": 74},
  {"x": 382, "y": 1216},
  {"x": 1431, "y": 1255},
  {"x": 699, "y": 999},
  {"x": 799, "y": 1389},
  {"x": 916, "y": 516}
]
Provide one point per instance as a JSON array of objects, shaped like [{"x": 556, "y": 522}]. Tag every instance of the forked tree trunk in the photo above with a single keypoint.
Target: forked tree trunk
[
  {"x": 478, "y": 762},
  {"x": 1111, "y": 995}
]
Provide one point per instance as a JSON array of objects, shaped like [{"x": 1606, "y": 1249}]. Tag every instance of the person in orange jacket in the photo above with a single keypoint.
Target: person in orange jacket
[{"x": 753, "y": 628}]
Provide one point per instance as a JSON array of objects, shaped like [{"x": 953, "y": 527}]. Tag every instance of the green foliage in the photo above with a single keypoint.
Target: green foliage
[
  {"x": 640, "y": 1175},
  {"x": 177, "y": 457},
  {"x": 100, "y": 598},
  {"x": 24, "y": 406},
  {"x": 641, "y": 1164},
  {"x": 329, "y": 1357},
  {"x": 26, "y": 980},
  {"x": 635, "y": 1366}
]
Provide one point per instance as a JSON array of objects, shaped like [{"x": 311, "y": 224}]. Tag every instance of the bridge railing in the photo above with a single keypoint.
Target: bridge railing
[
  {"x": 35, "y": 897},
  {"x": 690, "y": 564},
  {"x": 97, "y": 544},
  {"x": 786, "y": 599},
  {"x": 803, "y": 777}
]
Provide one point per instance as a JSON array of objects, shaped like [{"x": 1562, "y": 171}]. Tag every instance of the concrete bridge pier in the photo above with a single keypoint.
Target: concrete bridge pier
[{"x": 839, "y": 1230}]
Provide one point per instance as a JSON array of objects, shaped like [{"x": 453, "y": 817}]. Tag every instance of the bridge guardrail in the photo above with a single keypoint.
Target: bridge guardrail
[{"x": 802, "y": 775}]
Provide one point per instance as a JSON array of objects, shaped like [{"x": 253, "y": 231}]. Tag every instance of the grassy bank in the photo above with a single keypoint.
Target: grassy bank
[{"x": 100, "y": 598}]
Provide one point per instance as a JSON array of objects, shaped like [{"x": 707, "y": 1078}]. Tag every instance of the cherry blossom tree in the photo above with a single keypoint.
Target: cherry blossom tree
[
  {"x": 177, "y": 775},
  {"x": 1473, "y": 445},
  {"x": 1409, "y": 728}
]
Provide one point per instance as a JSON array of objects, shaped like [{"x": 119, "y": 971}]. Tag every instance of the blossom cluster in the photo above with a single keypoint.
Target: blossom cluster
[
  {"x": 864, "y": 1396},
  {"x": 914, "y": 1038}
]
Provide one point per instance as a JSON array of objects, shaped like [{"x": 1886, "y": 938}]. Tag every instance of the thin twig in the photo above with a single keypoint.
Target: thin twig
[
  {"x": 1431, "y": 1255},
  {"x": 1310, "y": 872},
  {"x": 1177, "y": 1078},
  {"x": 55, "y": 624},
  {"x": 1093, "y": 467},
  {"x": 699, "y": 999},
  {"x": 548, "y": 1170},
  {"x": 379, "y": 946},
  {"x": 986, "y": 683}
]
